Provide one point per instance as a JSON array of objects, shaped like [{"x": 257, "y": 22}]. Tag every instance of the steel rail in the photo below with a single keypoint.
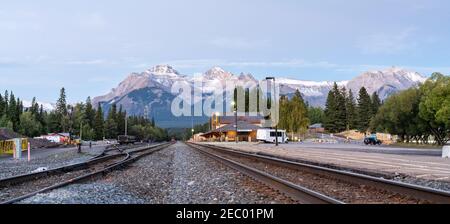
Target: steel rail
[
  {"x": 419, "y": 192},
  {"x": 62, "y": 169},
  {"x": 296, "y": 192},
  {"x": 129, "y": 159}
]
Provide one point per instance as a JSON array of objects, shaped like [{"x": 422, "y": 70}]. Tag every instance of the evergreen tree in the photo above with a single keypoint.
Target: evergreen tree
[
  {"x": 330, "y": 112},
  {"x": 341, "y": 111},
  {"x": 53, "y": 121},
  {"x": 364, "y": 110},
  {"x": 120, "y": 120},
  {"x": 351, "y": 111},
  {"x": 6, "y": 108},
  {"x": 20, "y": 107},
  {"x": 89, "y": 113},
  {"x": 61, "y": 104},
  {"x": 111, "y": 124},
  {"x": 99, "y": 123},
  {"x": 2, "y": 106},
  {"x": 376, "y": 103},
  {"x": 335, "y": 110},
  {"x": 13, "y": 111},
  {"x": 41, "y": 118},
  {"x": 34, "y": 109},
  {"x": 62, "y": 112}
]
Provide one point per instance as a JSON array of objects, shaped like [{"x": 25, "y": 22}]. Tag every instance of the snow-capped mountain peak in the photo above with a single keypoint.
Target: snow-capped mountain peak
[
  {"x": 217, "y": 69},
  {"x": 162, "y": 77},
  {"x": 397, "y": 72},
  {"x": 247, "y": 77},
  {"x": 385, "y": 82},
  {"x": 163, "y": 70},
  {"x": 45, "y": 106},
  {"x": 217, "y": 73}
]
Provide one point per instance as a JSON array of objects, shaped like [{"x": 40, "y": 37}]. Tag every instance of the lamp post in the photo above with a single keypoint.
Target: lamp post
[
  {"x": 235, "y": 120},
  {"x": 274, "y": 104}
]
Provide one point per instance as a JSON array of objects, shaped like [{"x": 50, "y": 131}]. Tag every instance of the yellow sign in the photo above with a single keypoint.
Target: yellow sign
[
  {"x": 24, "y": 144},
  {"x": 8, "y": 146}
]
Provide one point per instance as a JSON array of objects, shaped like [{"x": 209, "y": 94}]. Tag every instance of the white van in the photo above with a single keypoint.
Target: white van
[{"x": 268, "y": 136}]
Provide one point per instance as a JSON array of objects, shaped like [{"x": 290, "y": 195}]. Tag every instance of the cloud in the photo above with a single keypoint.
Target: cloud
[
  {"x": 238, "y": 43},
  {"x": 294, "y": 63},
  {"x": 99, "y": 79},
  {"x": 92, "y": 21},
  {"x": 89, "y": 62},
  {"x": 383, "y": 43}
]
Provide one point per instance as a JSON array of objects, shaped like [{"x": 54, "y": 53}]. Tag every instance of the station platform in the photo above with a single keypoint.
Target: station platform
[{"x": 385, "y": 161}]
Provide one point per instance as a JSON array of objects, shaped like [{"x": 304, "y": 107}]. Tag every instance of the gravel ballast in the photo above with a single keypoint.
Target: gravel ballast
[
  {"x": 176, "y": 175},
  {"x": 85, "y": 194},
  {"x": 10, "y": 167}
]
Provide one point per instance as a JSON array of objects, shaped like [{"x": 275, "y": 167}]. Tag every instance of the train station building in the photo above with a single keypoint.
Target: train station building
[{"x": 223, "y": 129}]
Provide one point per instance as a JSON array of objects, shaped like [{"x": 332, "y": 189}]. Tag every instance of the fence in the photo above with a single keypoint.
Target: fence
[{"x": 8, "y": 146}]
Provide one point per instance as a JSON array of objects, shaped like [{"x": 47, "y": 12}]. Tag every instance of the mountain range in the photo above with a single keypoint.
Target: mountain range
[{"x": 149, "y": 93}]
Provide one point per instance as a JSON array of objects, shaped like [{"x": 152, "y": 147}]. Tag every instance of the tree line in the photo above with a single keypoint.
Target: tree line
[
  {"x": 418, "y": 113},
  {"x": 344, "y": 112},
  {"x": 81, "y": 119}
]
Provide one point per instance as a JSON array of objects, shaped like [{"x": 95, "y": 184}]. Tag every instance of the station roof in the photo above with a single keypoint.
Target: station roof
[
  {"x": 247, "y": 119},
  {"x": 243, "y": 126}
]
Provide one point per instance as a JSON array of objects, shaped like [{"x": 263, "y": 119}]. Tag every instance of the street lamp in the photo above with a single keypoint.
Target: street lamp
[
  {"x": 233, "y": 104},
  {"x": 274, "y": 104}
]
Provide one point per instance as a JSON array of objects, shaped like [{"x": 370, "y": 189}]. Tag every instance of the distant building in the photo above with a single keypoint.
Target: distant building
[
  {"x": 316, "y": 128},
  {"x": 224, "y": 128},
  {"x": 56, "y": 137}
]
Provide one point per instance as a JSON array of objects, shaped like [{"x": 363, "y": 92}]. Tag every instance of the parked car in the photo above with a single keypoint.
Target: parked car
[{"x": 372, "y": 140}]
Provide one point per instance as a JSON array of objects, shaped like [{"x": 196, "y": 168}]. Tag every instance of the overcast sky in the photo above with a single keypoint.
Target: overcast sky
[{"x": 90, "y": 46}]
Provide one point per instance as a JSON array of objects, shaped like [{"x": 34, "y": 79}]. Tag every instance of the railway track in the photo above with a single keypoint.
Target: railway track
[
  {"x": 292, "y": 190},
  {"x": 314, "y": 184},
  {"x": 18, "y": 188}
]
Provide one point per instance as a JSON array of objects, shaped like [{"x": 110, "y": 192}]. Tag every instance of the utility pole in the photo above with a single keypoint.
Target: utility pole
[
  {"x": 81, "y": 137},
  {"x": 81, "y": 131},
  {"x": 274, "y": 104},
  {"x": 192, "y": 125},
  {"x": 126, "y": 125}
]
